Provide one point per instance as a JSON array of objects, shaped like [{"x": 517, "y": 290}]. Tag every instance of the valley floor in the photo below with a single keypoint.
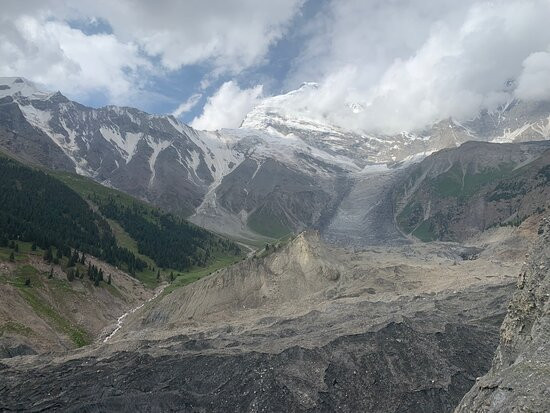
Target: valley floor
[{"x": 307, "y": 327}]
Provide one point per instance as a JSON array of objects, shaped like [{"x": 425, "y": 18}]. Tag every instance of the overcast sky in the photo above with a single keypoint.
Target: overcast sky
[{"x": 406, "y": 63}]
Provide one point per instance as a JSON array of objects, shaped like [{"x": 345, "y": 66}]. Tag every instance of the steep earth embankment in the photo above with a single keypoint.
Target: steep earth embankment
[{"x": 51, "y": 314}]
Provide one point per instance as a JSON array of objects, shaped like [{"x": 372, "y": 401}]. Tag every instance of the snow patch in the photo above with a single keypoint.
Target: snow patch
[
  {"x": 132, "y": 140},
  {"x": 36, "y": 117},
  {"x": 510, "y": 136},
  {"x": 157, "y": 147},
  {"x": 124, "y": 142},
  {"x": 543, "y": 128},
  {"x": 17, "y": 86}
]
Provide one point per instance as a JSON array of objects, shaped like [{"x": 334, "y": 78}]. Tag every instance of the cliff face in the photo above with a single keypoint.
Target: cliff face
[{"x": 519, "y": 379}]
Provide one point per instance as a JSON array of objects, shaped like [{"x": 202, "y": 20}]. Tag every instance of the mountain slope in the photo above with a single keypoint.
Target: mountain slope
[
  {"x": 160, "y": 159},
  {"x": 457, "y": 193},
  {"x": 73, "y": 253},
  {"x": 124, "y": 147},
  {"x": 43, "y": 308},
  {"x": 78, "y": 213},
  {"x": 39, "y": 209},
  {"x": 280, "y": 172}
]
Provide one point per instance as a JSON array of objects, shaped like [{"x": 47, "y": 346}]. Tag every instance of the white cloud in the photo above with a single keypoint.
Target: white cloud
[
  {"x": 534, "y": 81},
  {"x": 229, "y": 35},
  {"x": 227, "y": 107},
  {"x": 410, "y": 65},
  {"x": 63, "y": 58},
  {"x": 187, "y": 105},
  {"x": 148, "y": 38}
]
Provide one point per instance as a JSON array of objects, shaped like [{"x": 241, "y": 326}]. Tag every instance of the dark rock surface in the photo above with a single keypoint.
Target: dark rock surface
[
  {"x": 422, "y": 362},
  {"x": 8, "y": 351},
  {"x": 22, "y": 140},
  {"x": 270, "y": 190}
]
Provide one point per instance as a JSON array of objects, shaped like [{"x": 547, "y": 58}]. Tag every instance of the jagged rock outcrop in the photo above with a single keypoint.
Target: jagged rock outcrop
[{"x": 519, "y": 380}]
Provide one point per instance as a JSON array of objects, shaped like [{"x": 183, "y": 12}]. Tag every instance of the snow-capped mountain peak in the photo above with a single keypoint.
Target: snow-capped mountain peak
[{"x": 10, "y": 86}]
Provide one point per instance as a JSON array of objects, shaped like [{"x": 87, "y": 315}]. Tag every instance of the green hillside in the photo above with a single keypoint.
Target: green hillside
[
  {"x": 38, "y": 208},
  {"x": 62, "y": 212}
]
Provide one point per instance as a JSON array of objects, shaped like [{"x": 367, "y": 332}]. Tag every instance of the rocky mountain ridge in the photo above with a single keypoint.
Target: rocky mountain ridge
[{"x": 279, "y": 167}]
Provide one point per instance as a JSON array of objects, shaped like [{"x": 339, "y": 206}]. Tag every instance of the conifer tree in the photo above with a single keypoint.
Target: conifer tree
[
  {"x": 73, "y": 259},
  {"x": 48, "y": 255},
  {"x": 12, "y": 257},
  {"x": 70, "y": 275},
  {"x": 51, "y": 274},
  {"x": 109, "y": 280},
  {"x": 16, "y": 247}
]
